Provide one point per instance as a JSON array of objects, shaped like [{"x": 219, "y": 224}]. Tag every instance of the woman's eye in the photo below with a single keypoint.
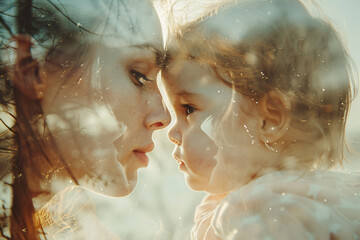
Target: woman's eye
[
  {"x": 139, "y": 78},
  {"x": 188, "y": 109}
]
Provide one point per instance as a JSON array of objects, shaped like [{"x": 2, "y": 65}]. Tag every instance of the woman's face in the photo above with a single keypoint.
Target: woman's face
[
  {"x": 215, "y": 133},
  {"x": 102, "y": 114}
]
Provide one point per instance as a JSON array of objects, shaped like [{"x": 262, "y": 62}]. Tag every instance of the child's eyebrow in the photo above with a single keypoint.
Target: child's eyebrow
[
  {"x": 185, "y": 94},
  {"x": 189, "y": 97}
]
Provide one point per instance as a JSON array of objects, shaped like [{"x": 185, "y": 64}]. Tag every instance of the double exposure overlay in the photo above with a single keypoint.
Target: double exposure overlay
[{"x": 178, "y": 119}]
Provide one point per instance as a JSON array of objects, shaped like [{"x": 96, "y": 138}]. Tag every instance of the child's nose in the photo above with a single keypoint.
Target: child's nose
[{"x": 175, "y": 135}]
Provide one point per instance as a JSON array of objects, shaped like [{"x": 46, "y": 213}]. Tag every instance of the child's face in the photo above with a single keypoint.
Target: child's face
[{"x": 215, "y": 131}]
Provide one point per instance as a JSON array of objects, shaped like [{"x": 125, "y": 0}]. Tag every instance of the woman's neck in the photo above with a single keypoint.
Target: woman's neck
[{"x": 43, "y": 186}]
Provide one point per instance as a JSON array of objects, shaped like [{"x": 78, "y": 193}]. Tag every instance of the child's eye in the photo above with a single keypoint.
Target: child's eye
[
  {"x": 138, "y": 78},
  {"x": 188, "y": 109}
]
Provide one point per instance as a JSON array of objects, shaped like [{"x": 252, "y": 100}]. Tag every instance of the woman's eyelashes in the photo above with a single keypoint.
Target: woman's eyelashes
[
  {"x": 188, "y": 109},
  {"x": 138, "y": 78}
]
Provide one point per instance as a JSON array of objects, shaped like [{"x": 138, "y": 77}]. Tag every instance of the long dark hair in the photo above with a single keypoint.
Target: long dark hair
[{"x": 44, "y": 21}]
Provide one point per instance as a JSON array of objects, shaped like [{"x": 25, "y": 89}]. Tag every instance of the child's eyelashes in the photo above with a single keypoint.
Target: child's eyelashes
[
  {"x": 188, "y": 109},
  {"x": 138, "y": 78}
]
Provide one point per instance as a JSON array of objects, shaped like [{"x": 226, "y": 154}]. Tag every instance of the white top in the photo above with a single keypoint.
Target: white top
[{"x": 284, "y": 205}]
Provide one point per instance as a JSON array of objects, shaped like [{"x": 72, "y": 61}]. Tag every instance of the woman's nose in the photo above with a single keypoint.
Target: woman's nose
[
  {"x": 175, "y": 135},
  {"x": 158, "y": 118}
]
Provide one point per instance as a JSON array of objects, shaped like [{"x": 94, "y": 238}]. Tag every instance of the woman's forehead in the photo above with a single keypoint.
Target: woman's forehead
[{"x": 118, "y": 22}]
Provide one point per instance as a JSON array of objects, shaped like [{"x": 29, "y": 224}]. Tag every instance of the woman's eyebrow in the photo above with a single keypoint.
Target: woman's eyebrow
[
  {"x": 159, "y": 55},
  {"x": 148, "y": 47}
]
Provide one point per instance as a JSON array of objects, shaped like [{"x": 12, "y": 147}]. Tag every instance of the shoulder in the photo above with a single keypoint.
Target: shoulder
[
  {"x": 292, "y": 206},
  {"x": 70, "y": 214}
]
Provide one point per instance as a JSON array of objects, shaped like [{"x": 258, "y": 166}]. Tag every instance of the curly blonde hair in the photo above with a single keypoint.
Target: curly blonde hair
[{"x": 284, "y": 49}]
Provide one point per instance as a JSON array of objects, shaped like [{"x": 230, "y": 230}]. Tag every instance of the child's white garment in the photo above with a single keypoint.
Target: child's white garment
[{"x": 284, "y": 205}]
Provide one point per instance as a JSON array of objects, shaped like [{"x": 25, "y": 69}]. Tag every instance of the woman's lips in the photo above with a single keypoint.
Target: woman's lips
[
  {"x": 140, "y": 153},
  {"x": 142, "y": 157}
]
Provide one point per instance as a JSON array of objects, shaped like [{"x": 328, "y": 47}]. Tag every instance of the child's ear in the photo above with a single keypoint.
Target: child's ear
[
  {"x": 274, "y": 110},
  {"x": 26, "y": 77}
]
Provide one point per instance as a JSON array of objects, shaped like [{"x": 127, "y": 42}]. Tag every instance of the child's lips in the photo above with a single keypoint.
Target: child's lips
[
  {"x": 181, "y": 163},
  {"x": 182, "y": 166}
]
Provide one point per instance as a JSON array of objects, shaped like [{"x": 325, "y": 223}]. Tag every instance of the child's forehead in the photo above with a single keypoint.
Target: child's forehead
[
  {"x": 187, "y": 78},
  {"x": 187, "y": 73},
  {"x": 234, "y": 21}
]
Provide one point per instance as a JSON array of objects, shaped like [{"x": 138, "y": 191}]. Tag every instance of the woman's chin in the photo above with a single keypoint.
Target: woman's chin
[
  {"x": 114, "y": 191},
  {"x": 122, "y": 191},
  {"x": 120, "y": 188}
]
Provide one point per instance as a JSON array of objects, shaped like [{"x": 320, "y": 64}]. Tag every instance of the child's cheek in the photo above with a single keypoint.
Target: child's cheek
[{"x": 199, "y": 150}]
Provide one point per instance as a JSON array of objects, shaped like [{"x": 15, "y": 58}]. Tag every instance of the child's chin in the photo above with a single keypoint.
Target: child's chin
[{"x": 196, "y": 184}]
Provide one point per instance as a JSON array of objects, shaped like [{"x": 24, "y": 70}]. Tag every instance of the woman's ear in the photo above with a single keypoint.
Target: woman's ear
[
  {"x": 274, "y": 110},
  {"x": 26, "y": 76}
]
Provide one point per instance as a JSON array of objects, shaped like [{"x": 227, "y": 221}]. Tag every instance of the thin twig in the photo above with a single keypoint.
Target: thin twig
[
  {"x": 9, "y": 128},
  {"x": 6, "y": 26},
  {"x": 3, "y": 235},
  {"x": 6, "y": 14},
  {"x": 68, "y": 18}
]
